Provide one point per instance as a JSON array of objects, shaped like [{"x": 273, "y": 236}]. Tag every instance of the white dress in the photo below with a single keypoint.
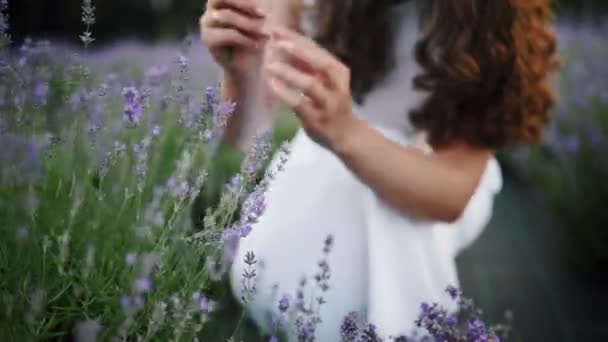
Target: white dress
[{"x": 383, "y": 262}]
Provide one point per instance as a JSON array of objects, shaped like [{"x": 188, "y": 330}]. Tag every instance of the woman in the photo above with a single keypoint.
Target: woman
[{"x": 402, "y": 106}]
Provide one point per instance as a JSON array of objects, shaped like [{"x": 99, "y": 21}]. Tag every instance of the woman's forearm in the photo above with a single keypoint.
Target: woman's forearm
[
  {"x": 253, "y": 114},
  {"x": 234, "y": 126},
  {"x": 434, "y": 186}
]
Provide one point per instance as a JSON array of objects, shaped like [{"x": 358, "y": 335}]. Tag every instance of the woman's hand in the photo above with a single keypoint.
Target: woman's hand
[
  {"x": 234, "y": 32},
  {"x": 315, "y": 85}
]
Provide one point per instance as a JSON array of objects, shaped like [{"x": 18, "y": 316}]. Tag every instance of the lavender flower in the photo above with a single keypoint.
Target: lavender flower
[
  {"x": 132, "y": 105},
  {"x": 87, "y": 18},
  {"x": 19, "y": 161},
  {"x": 156, "y": 75},
  {"x": 141, "y": 157},
  {"x": 143, "y": 285},
  {"x": 249, "y": 275},
  {"x": 305, "y": 331},
  {"x": 442, "y": 326},
  {"x": 324, "y": 274},
  {"x": 432, "y": 318},
  {"x": 183, "y": 62},
  {"x": 245, "y": 230},
  {"x": 110, "y": 158},
  {"x": 349, "y": 330},
  {"x": 283, "y": 155},
  {"x": 300, "y": 304},
  {"x": 183, "y": 66},
  {"x": 125, "y": 302},
  {"x": 130, "y": 259},
  {"x": 130, "y": 305},
  {"x": 210, "y": 118},
  {"x": 254, "y": 206},
  {"x": 41, "y": 91},
  {"x": 370, "y": 334},
  {"x": 212, "y": 99},
  {"x": 231, "y": 237},
  {"x": 257, "y": 155},
  {"x": 284, "y": 303},
  {"x": 206, "y": 305},
  {"x": 477, "y": 331},
  {"x": 453, "y": 292}
]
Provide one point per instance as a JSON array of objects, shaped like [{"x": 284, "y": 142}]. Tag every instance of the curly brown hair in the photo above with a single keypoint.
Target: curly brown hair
[{"x": 486, "y": 64}]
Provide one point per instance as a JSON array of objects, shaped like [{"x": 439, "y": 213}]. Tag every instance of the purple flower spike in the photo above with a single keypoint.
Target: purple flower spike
[
  {"x": 477, "y": 331},
  {"x": 41, "y": 92},
  {"x": 245, "y": 230},
  {"x": 132, "y": 105},
  {"x": 182, "y": 61},
  {"x": 143, "y": 285},
  {"x": 156, "y": 75},
  {"x": 350, "y": 327},
  {"x": 231, "y": 239},
  {"x": 254, "y": 207},
  {"x": 453, "y": 292},
  {"x": 306, "y": 331},
  {"x": 370, "y": 334},
  {"x": 130, "y": 259},
  {"x": 284, "y": 303},
  {"x": 126, "y": 303},
  {"x": 207, "y": 305}
]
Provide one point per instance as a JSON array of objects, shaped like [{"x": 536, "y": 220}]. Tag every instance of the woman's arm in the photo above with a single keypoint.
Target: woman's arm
[
  {"x": 436, "y": 186},
  {"x": 253, "y": 113}
]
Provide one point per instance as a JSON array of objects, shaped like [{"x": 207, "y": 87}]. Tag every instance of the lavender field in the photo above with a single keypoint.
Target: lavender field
[{"x": 106, "y": 149}]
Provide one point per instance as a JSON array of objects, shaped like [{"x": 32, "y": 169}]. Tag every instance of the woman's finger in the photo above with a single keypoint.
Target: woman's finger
[
  {"x": 227, "y": 18},
  {"x": 243, "y": 6},
  {"x": 228, "y": 37},
  {"x": 301, "y": 105},
  {"x": 315, "y": 57},
  {"x": 296, "y": 79}
]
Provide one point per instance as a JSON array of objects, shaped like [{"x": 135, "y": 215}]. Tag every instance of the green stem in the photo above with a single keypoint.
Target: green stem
[
  {"x": 238, "y": 326},
  {"x": 138, "y": 206},
  {"x": 176, "y": 209},
  {"x": 59, "y": 185},
  {"x": 121, "y": 210}
]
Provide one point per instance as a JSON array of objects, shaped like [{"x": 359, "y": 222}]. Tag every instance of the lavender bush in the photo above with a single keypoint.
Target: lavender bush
[
  {"x": 570, "y": 167},
  {"x": 97, "y": 177}
]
